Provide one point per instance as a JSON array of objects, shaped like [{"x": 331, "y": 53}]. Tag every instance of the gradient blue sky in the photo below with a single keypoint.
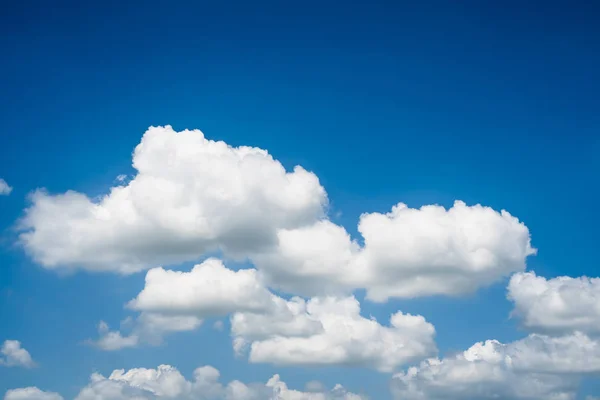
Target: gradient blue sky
[{"x": 421, "y": 102}]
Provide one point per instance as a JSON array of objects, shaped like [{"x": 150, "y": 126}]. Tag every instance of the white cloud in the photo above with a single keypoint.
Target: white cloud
[
  {"x": 5, "y": 189},
  {"x": 31, "y": 393},
  {"x": 13, "y": 355},
  {"x": 209, "y": 289},
  {"x": 407, "y": 253},
  {"x": 535, "y": 368},
  {"x": 190, "y": 195},
  {"x": 331, "y": 331},
  {"x": 113, "y": 340},
  {"x": 148, "y": 328},
  {"x": 559, "y": 305},
  {"x": 324, "y": 330},
  {"x": 168, "y": 382}
]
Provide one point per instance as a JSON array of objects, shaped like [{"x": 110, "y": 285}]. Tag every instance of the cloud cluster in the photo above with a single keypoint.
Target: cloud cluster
[
  {"x": 13, "y": 355},
  {"x": 166, "y": 382},
  {"x": 192, "y": 196},
  {"x": 492, "y": 370},
  {"x": 562, "y": 314},
  {"x": 345, "y": 337},
  {"x": 321, "y": 331}
]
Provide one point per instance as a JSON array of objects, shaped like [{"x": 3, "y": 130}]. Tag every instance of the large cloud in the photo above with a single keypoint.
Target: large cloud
[
  {"x": 407, "y": 253},
  {"x": 559, "y": 305},
  {"x": 13, "y": 355},
  {"x": 190, "y": 195},
  {"x": 167, "y": 382},
  {"x": 346, "y": 337},
  {"x": 535, "y": 368},
  {"x": 31, "y": 393}
]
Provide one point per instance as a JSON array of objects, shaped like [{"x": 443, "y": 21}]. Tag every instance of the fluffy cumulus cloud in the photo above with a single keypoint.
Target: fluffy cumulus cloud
[
  {"x": 331, "y": 331},
  {"x": 209, "y": 289},
  {"x": 406, "y": 253},
  {"x": 321, "y": 331},
  {"x": 13, "y": 355},
  {"x": 190, "y": 195},
  {"x": 5, "y": 189},
  {"x": 535, "y": 368},
  {"x": 31, "y": 393},
  {"x": 168, "y": 383},
  {"x": 559, "y": 305}
]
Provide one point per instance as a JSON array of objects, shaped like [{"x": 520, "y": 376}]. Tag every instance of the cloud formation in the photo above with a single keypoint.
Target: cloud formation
[
  {"x": 13, "y": 355},
  {"x": 168, "y": 383},
  {"x": 192, "y": 196}
]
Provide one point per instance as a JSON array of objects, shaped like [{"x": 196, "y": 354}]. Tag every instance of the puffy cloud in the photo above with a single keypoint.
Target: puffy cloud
[
  {"x": 5, "y": 189},
  {"x": 147, "y": 328},
  {"x": 331, "y": 331},
  {"x": 31, "y": 393},
  {"x": 559, "y": 305},
  {"x": 13, "y": 355},
  {"x": 407, "y": 253},
  {"x": 209, "y": 289},
  {"x": 113, "y": 340},
  {"x": 190, "y": 195},
  {"x": 167, "y": 382},
  {"x": 534, "y": 368}
]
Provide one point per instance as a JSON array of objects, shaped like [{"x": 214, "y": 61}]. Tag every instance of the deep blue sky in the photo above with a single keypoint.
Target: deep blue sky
[{"x": 422, "y": 102}]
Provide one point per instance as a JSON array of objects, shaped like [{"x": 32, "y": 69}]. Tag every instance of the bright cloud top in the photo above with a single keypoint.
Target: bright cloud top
[
  {"x": 5, "y": 189},
  {"x": 192, "y": 195},
  {"x": 168, "y": 383},
  {"x": 13, "y": 355},
  {"x": 557, "y": 305}
]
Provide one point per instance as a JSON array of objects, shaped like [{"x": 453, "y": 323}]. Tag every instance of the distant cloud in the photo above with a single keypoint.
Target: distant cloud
[
  {"x": 31, "y": 393},
  {"x": 167, "y": 382},
  {"x": 13, "y": 355},
  {"x": 537, "y": 367},
  {"x": 5, "y": 189}
]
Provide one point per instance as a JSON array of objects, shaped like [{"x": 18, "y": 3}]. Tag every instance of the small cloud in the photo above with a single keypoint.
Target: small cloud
[
  {"x": 218, "y": 325},
  {"x": 5, "y": 189},
  {"x": 121, "y": 178},
  {"x": 13, "y": 355}
]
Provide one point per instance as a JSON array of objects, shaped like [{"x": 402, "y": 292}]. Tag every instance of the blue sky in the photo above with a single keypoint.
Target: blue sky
[{"x": 492, "y": 104}]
